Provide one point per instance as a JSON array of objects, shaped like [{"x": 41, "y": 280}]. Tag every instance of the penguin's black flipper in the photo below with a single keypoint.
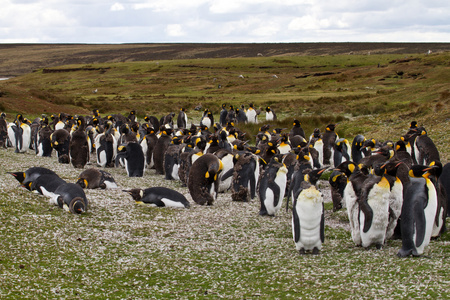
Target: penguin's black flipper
[
  {"x": 322, "y": 224},
  {"x": 420, "y": 222},
  {"x": 296, "y": 222},
  {"x": 276, "y": 191},
  {"x": 227, "y": 174},
  {"x": 368, "y": 215}
]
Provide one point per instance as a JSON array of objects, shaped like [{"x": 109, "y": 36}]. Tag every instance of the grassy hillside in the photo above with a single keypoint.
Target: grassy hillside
[{"x": 375, "y": 95}]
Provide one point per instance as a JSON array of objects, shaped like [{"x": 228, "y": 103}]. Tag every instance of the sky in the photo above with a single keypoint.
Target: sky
[{"x": 228, "y": 21}]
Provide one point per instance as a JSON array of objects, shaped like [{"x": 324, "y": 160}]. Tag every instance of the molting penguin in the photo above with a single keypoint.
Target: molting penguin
[
  {"x": 338, "y": 182},
  {"x": 203, "y": 179},
  {"x": 418, "y": 212},
  {"x": 182, "y": 118},
  {"x": 71, "y": 198},
  {"x": 271, "y": 187},
  {"x": 308, "y": 222},
  {"x": 374, "y": 209},
  {"x": 159, "y": 196},
  {"x": 78, "y": 146},
  {"x": 133, "y": 157},
  {"x": 245, "y": 176},
  {"x": 60, "y": 141},
  {"x": 94, "y": 178}
]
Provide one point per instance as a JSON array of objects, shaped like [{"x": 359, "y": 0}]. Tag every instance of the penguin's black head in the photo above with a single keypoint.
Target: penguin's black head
[
  {"x": 136, "y": 194},
  {"x": 77, "y": 205},
  {"x": 315, "y": 174},
  {"x": 82, "y": 182},
  {"x": 413, "y": 125},
  {"x": 331, "y": 127},
  {"x": 418, "y": 171},
  {"x": 391, "y": 166},
  {"x": 20, "y": 176},
  {"x": 297, "y": 123},
  {"x": 347, "y": 167},
  {"x": 268, "y": 109}
]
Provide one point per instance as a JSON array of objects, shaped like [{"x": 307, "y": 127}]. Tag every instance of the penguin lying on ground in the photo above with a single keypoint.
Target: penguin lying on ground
[
  {"x": 94, "y": 178},
  {"x": 308, "y": 222},
  {"x": 30, "y": 175},
  {"x": 71, "y": 198},
  {"x": 159, "y": 196},
  {"x": 46, "y": 184}
]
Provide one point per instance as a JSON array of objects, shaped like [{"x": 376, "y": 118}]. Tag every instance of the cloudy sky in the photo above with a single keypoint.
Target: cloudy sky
[{"x": 234, "y": 21}]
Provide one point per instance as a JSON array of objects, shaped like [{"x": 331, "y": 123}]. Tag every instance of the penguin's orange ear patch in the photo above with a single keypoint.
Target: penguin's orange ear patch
[{"x": 207, "y": 175}]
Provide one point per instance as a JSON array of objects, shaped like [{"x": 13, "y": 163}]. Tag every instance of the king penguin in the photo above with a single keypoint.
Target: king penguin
[
  {"x": 252, "y": 117},
  {"x": 71, "y": 198},
  {"x": 182, "y": 118},
  {"x": 160, "y": 148},
  {"x": 30, "y": 175},
  {"x": 203, "y": 179},
  {"x": 159, "y": 196},
  {"x": 60, "y": 141},
  {"x": 133, "y": 157},
  {"x": 93, "y": 178},
  {"x": 78, "y": 146},
  {"x": 245, "y": 176},
  {"x": 418, "y": 212},
  {"x": 271, "y": 187},
  {"x": 308, "y": 222},
  {"x": 46, "y": 184}
]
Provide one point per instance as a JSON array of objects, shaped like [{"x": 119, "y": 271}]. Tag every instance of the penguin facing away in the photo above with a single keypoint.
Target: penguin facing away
[
  {"x": 159, "y": 196},
  {"x": 71, "y": 198},
  {"x": 93, "y": 178},
  {"x": 203, "y": 179},
  {"x": 271, "y": 187},
  {"x": 418, "y": 212},
  {"x": 308, "y": 222}
]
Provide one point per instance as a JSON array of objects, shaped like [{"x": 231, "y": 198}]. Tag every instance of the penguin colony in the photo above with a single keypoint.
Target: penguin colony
[{"x": 391, "y": 190}]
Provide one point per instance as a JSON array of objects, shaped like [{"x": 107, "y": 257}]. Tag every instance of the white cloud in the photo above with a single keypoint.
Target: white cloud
[
  {"x": 174, "y": 30},
  {"x": 117, "y": 7}
]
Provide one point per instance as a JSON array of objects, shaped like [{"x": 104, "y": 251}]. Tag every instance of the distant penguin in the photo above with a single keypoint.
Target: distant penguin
[
  {"x": 106, "y": 147},
  {"x": 241, "y": 116},
  {"x": 78, "y": 146},
  {"x": 60, "y": 141},
  {"x": 159, "y": 196},
  {"x": 329, "y": 139},
  {"x": 223, "y": 115},
  {"x": 342, "y": 152},
  {"x": 182, "y": 118},
  {"x": 271, "y": 187},
  {"x": 231, "y": 115},
  {"x": 374, "y": 209},
  {"x": 308, "y": 222},
  {"x": 297, "y": 130},
  {"x": 133, "y": 157},
  {"x": 270, "y": 114},
  {"x": 284, "y": 145},
  {"x": 425, "y": 149},
  {"x": 93, "y": 178},
  {"x": 43, "y": 142},
  {"x": 148, "y": 144},
  {"x": 3, "y": 131},
  {"x": 172, "y": 159},
  {"x": 357, "y": 148},
  {"x": 203, "y": 179},
  {"x": 30, "y": 175},
  {"x": 207, "y": 120},
  {"x": 71, "y": 198},
  {"x": 22, "y": 134},
  {"x": 251, "y": 115},
  {"x": 418, "y": 212},
  {"x": 245, "y": 176},
  {"x": 160, "y": 148}
]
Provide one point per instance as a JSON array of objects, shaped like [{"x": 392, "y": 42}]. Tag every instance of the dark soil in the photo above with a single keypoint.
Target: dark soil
[{"x": 18, "y": 59}]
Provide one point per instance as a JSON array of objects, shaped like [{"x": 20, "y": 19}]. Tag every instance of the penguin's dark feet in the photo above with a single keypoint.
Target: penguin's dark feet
[
  {"x": 315, "y": 251},
  {"x": 379, "y": 246},
  {"x": 302, "y": 251},
  {"x": 263, "y": 212}
]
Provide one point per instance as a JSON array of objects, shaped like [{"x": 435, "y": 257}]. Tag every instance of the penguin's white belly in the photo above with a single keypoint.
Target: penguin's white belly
[
  {"x": 352, "y": 205},
  {"x": 110, "y": 185},
  {"x": 437, "y": 228},
  {"x": 284, "y": 149},
  {"x": 309, "y": 210},
  {"x": 430, "y": 214},
  {"x": 269, "y": 202},
  {"x": 175, "y": 172},
  {"x": 395, "y": 205},
  {"x": 170, "y": 203},
  {"x": 102, "y": 158},
  {"x": 40, "y": 150},
  {"x": 378, "y": 200},
  {"x": 251, "y": 116}
]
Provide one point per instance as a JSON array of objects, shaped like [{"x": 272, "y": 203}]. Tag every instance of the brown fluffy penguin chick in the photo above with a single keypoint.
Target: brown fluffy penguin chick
[
  {"x": 203, "y": 179},
  {"x": 94, "y": 178}
]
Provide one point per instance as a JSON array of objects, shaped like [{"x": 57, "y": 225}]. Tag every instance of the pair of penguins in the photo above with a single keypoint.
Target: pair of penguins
[{"x": 376, "y": 203}]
